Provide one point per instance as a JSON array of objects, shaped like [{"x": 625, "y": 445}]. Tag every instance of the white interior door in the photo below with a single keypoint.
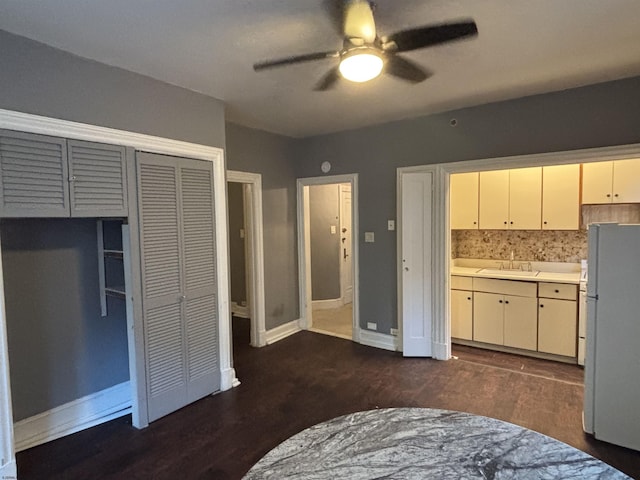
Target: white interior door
[
  {"x": 416, "y": 264},
  {"x": 346, "y": 268}
]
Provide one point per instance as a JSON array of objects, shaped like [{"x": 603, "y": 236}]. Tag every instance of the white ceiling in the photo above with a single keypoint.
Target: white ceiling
[{"x": 523, "y": 47}]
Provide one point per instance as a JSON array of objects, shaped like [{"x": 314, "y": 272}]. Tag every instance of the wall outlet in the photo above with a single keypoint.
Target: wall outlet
[
  {"x": 333, "y": 230},
  {"x": 369, "y": 237},
  {"x": 391, "y": 225},
  {"x": 242, "y": 233},
  {"x": 394, "y": 332},
  {"x": 372, "y": 326}
]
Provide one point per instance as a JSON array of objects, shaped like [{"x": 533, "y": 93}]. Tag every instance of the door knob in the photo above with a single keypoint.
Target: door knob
[{"x": 406, "y": 269}]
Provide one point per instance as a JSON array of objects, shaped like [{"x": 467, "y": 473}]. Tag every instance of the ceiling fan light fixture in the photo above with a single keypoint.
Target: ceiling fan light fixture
[{"x": 361, "y": 65}]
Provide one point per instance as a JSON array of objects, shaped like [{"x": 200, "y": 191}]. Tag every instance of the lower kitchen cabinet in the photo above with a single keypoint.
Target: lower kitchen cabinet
[
  {"x": 520, "y": 322},
  {"x": 557, "y": 326},
  {"x": 505, "y": 320},
  {"x": 462, "y": 314},
  {"x": 488, "y": 312}
]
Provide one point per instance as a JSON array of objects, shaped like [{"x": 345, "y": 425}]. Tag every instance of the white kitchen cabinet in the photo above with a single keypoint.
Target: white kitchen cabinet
[
  {"x": 505, "y": 320},
  {"x": 510, "y": 199},
  {"x": 462, "y": 314},
  {"x": 611, "y": 182},
  {"x": 488, "y": 312},
  {"x": 525, "y": 198},
  {"x": 561, "y": 197},
  {"x": 520, "y": 322},
  {"x": 494, "y": 200},
  {"x": 464, "y": 201},
  {"x": 557, "y": 326}
]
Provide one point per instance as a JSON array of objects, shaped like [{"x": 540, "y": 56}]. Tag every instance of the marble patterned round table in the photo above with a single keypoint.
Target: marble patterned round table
[{"x": 421, "y": 443}]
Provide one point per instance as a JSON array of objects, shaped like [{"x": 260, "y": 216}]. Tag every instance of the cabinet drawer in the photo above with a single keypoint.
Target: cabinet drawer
[
  {"x": 505, "y": 287},
  {"x": 561, "y": 291},
  {"x": 461, "y": 283}
]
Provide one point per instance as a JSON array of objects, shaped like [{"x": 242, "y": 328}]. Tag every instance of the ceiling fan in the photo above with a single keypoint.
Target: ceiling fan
[{"x": 364, "y": 55}]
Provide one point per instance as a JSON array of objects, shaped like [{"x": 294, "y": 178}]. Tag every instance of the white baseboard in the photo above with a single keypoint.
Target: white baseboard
[
  {"x": 378, "y": 340},
  {"x": 85, "y": 412},
  {"x": 326, "y": 304},
  {"x": 283, "y": 331},
  {"x": 228, "y": 378},
  {"x": 9, "y": 471},
  {"x": 440, "y": 351},
  {"x": 239, "y": 311}
]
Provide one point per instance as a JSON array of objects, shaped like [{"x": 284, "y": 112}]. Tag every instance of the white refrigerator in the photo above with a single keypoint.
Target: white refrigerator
[{"x": 612, "y": 366}]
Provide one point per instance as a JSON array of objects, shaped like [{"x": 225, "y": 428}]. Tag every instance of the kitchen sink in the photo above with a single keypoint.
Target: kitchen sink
[{"x": 515, "y": 272}]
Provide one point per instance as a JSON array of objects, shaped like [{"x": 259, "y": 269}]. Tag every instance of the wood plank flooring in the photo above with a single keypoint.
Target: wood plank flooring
[{"x": 309, "y": 378}]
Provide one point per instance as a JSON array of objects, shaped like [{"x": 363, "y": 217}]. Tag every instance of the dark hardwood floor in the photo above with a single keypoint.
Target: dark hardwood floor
[{"x": 309, "y": 378}]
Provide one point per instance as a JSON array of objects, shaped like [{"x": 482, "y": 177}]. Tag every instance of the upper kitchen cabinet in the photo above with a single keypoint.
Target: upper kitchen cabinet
[
  {"x": 611, "y": 182},
  {"x": 561, "y": 197},
  {"x": 464, "y": 201},
  {"x": 52, "y": 177},
  {"x": 511, "y": 199}
]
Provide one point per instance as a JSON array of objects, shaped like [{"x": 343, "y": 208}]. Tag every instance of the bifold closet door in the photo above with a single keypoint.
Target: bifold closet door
[{"x": 178, "y": 281}]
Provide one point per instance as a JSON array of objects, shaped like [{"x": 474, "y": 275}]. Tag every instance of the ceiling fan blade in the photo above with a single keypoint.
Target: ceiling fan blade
[
  {"x": 328, "y": 81},
  {"x": 281, "y": 62},
  {"x": 405, "y": 69},
  {"x": 358, "y": 21},
  {"x": 412, "y": 39}
]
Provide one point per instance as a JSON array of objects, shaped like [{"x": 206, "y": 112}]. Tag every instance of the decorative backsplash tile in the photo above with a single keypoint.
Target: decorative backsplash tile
[{"x": 527, "y": 245}]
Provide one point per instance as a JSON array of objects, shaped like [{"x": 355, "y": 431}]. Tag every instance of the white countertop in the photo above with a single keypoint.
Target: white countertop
[{"x": 547, "y": 271}]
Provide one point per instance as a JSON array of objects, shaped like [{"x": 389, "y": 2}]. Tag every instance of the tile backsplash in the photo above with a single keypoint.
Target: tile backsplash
[{"x": 527, "y": 245}]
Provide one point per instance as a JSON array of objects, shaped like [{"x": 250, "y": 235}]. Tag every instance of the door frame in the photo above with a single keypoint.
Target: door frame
[
  {"x": 304, "y": 250},
  {"x": 441, "y": 247},
  {"x": 343, "y": 287},
  {"x": 79, "y": 131},
  {"x": 254, "y": 248}
]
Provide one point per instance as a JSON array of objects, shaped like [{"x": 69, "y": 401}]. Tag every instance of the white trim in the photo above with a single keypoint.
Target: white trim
[
  {"x": 7, "y": 449},
  {"x": 9, "y": 471},
  {"x": 228, "y": 379},
  {"x": 255, "y": 260},
  {"x": 379, "y": 340},
  {"x": 79, "y": 131},
  {"x": 283, "y": 331},
  {"x": 327, "y": 304},
  {"x": 304, "y": 273},
  {"x": 80, "y": 414},
  {"x": 441, "y": 248},
  {"x": 240, "y": 311}
]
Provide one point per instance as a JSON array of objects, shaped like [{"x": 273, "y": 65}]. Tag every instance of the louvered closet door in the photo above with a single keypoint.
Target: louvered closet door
[
  {"x": 97, "y": 179},
  {"x": 179, "y": 286},
  {"x": 201, "y": 323},
  {"x": 33, "y": 175},
  {"x": 161, "y": 284}
]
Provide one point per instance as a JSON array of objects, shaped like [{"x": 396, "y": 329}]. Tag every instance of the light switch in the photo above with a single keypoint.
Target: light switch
[
  {"x": 369, "y": 237},
  {"x": 391, "y": 225},
  {"x": 242, "y": 233},
  {"x": 333, "y": 230}
]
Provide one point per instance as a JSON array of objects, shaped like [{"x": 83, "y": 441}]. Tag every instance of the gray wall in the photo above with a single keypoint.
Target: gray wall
[
  {"x": 272, "y": 156},
  {"x": 598, "y": 115},
  {"x": 42, "y": 80},
  {"x": 60, "y": 348},
  {"x": 237, "y": 260},
  {"x": 324, "y": 211}
]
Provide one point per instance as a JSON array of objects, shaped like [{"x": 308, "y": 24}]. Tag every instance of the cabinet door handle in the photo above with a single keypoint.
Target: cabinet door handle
[
  {"x": 545, "y": 222},
  {"x": 468, "y": 298},
  {"x": 506, "y": 301},
  {"x": 557, "y": 291},
  {"x": 505, "y": 223},
  {"x": 608, "y": 195},
  {"x": 541, "y": 305},
  {"x": 616, "y": 195},
  {"x": 499, "y": 301}
]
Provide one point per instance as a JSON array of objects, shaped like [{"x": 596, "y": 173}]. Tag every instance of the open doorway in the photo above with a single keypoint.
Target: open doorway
[
  {"x": 328, "y": 257},
  {"x": 244, "y": 194}
]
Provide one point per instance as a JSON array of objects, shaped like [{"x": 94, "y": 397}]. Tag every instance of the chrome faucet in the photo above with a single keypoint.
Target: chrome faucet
[{"x": 511, "y": 257}]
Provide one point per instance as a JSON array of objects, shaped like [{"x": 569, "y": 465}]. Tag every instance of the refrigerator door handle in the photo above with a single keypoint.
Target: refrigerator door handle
[{"x": 595, "y": 297}]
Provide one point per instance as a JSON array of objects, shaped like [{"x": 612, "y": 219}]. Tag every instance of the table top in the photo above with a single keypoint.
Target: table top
[{"x": 419, "y": 443}]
